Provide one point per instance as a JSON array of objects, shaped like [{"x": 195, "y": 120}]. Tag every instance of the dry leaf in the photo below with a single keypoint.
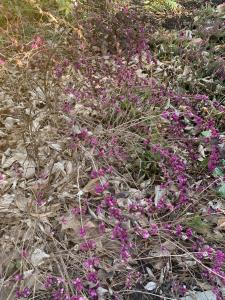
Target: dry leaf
[
  {"x": 5, "y": 202},
  {"x": 9, "y": 122},
  {"x": 22, "y": 202},
  {"x": 90, "y": 187},
  {"x": 221, "y": 223},
  {"x": 207, "y": 295},
  {"x": 150, "y": 286},
  {"x": 70, "y": 222},
  {"x": 29, "y": 169},
  {"x": 159, "y": 193},
  {"x": 58, "y": 168},
  {"x": 38, "y": 257},
  {"x": 56, "y": 147}
]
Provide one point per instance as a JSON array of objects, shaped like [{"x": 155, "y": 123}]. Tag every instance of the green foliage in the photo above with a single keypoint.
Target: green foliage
[
  {"x": 65, "y": 6},
  {"x": 161, "y": 5},
  {"x": 25, "y": 11},
  {"x": 197, "y": 224},
  {"x": 206, "y": 133},
  {"x": 218, "y": 172},
  {"x": 16, "y": 9},
  {"x": 221, "y": 190},
  {"x": 149, "y": 163}
]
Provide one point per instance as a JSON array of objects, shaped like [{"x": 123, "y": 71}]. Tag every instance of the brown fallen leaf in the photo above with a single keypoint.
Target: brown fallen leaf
[
  {"x": 221, "y": 223},
  {"x": 38, "y": 257},
  {"x": 90, "y": 186}
]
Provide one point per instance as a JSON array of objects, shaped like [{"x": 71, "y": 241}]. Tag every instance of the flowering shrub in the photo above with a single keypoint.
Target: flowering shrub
[{"x": 126, "y": 178}]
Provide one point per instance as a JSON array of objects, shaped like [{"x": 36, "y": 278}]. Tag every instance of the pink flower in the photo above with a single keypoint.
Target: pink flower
[
  {"x": 109, "y": 170},
  {"x": 37, "y": 42},
  {"x": 94, "y": 141},
  {"x": 67, "y": 107},
  {"x": 2, "y": 177},
  {"x": 2, "y": 62},
  {"x": 24, "y": 253}
]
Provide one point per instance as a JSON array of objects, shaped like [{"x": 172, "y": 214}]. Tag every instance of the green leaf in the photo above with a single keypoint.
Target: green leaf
[
  {"x": 221, "y": 190},
  {"x": 197, "y": 224},
  {"x": 161, "y": 5},
  {"x": 206, "y": 133},
  {"x": 218, "y": 172},
  {"x": 65, "y": 6}
]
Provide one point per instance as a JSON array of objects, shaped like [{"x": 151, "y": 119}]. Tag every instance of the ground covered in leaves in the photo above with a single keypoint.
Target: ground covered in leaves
[{"x": 112, "y": 146}]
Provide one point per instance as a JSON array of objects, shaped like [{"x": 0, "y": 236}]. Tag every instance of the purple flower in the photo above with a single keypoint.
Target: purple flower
[
  {"x": 93, "y": 293},
  {"x": 88, "y": 245},
  {"x": 26, "y": 292},
  {"x": 179, "y": 230},
  {"x": 166, "y": 115},
  {"x": 18, "y": 277},
  {"x": 82, "y": 232},
  {"x": 91, "y": 262},
  {"x": 92, "y": 277},
  {"x": 154, "y": 229},
  {"x": 201, "y": 97},
  {"x": 214, "y": 158},
  {"x": 143, "y": 233},
  {"x": 125, "y": 252},
  {"x": 101, "y": 228},
  {"x": 100, "y": 188},
  {"x": 189, "y": 233},
  {"x": 94, "y": 174},
  {"x": 115, "y": 213},
  {"x": 110, "y": 201},
  {"x": 78, "y": 284},
  {"x": 119, "y": 233},
  {"x": 219, "y": 258}
]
